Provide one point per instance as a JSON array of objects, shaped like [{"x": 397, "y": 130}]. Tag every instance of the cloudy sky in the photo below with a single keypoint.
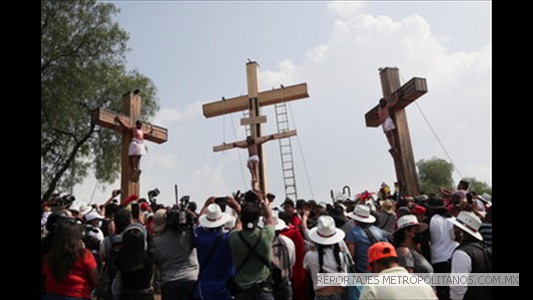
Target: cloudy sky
[{"x": 195, "y": 53}]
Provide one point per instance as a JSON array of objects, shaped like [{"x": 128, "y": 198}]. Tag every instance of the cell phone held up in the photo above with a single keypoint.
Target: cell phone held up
[
  {"x": 135, "y": 210},
  {"x": 222, "y": 202}
]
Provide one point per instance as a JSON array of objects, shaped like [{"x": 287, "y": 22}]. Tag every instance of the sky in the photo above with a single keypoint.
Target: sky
[{"x": 196, "y": 52}]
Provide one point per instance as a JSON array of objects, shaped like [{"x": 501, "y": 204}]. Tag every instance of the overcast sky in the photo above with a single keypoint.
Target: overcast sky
[{"x": 195, "y": 53}]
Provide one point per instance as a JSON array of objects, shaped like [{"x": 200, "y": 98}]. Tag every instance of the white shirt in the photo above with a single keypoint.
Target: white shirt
[
  {"x": 398, "y": 291},
  {"x": 461, "y": 263},
  {"x": 442, "y": 245}
]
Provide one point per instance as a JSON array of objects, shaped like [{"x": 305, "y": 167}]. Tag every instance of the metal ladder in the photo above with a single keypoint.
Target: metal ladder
[{"x": 285, "y": 150}]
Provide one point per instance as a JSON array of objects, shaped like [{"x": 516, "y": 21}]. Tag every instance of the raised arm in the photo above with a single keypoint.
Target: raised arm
[
  {"x": 264, "y": 139},
  {"x": 121, "y": 122},
  {"x": 240, "y": 144}
]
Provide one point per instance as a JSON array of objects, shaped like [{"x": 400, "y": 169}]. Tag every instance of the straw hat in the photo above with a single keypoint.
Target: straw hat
[
  {"x": 387, "y": 206},
  {"x": 325, "y": 232}
]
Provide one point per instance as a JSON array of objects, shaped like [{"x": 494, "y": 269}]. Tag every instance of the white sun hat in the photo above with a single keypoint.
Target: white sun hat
[
  {"x": 325, "y": 232},
  {"x": 468, "y": 222},
  {"x": 408, "y": 221},
  {"x": 279, "y": 224},
  {"x": 214, "y": 217},
  {"x": 361, "y": 213}
]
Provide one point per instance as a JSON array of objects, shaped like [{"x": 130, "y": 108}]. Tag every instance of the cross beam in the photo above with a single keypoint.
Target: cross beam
[
  {"x": 253, "y": 101},
  {"x": 404, "y": 163},
  {"x": 131, "y": 107}
]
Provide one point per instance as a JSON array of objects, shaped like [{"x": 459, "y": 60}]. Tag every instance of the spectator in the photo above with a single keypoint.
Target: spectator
[
  {"x": 69, "y": 268},
  {"x": 176, "y": 258},
  {"x": 214, "y": 252},
  {"x": 442, "y": 245},
  {"x": 362, "y": 236},
  {"x": 405, "y": 240},
  {"x": 386, "y": 216},
  {"x": 486, "y": 229},
  {"x": 327, "y": 257},
  {"x": 469, "y": 257},
  {"x": 251, "y": 248},
  {"x": 135, "y": 261},
  {"x": 383, "y": 260},
  {"x": 283, "y": 258}
]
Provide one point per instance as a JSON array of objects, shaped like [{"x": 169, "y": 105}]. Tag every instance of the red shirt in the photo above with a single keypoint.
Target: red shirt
[{"x": 76, "y": 283}]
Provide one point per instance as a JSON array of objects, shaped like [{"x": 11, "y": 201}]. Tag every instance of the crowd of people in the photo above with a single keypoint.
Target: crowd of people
[{"x": 242, "y": 247}]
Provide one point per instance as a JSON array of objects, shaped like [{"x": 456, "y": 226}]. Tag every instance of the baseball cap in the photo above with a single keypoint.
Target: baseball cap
[{"x": 381, "y": 250}]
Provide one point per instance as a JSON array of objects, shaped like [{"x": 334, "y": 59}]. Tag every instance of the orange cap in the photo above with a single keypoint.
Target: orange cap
[{"x": 381, "y": 250}]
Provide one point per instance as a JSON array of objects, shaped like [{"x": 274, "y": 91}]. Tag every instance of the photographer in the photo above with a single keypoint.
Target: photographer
[
  {"x": 175, "y": 254},
  {"x": 251, "y": 249},
  {"x": 214, "y": 252}
]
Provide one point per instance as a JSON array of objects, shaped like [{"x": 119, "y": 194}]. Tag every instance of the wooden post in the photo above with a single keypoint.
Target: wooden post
[
  {"x": 253, "y": 102},
  {"x": 131, "y": 108},
  {"x": 404, "y": 164}
]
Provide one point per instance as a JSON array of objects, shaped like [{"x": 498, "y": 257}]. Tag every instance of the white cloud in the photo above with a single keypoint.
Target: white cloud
[
  {"x": 346, "y": 9},
  {"x": 168, "y": 116}
]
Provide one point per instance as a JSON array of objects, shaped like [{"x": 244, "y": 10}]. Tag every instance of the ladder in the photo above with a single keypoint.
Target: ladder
[
  {"x": 285, "y": 149},
  {"x": 246, "y": 114}
]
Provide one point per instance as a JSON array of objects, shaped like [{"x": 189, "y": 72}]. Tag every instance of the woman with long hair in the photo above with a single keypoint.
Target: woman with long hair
[
  {"x": 406, "y": 242},
  {"x": 136, "y": 264},
  {"x": 327, "y": 258},
  {"x": 69, "y": 268}
]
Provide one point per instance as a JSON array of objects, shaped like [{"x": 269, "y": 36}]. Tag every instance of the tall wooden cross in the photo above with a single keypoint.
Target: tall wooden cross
[
  {"x": 404, "y": 163},
  {"x": 253, "y": 101},
  {"x": 131, "y": 112}
]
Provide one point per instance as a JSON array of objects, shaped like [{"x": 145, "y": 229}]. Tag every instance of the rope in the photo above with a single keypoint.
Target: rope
[
  {"x": 435, "y": 135},
  {"x": 302, "y": 154}
]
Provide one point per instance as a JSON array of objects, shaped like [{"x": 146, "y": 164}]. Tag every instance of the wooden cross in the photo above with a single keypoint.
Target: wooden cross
[
  {"x": 404, "y": 163},
  {"x": 131, "y": 108},
  {"x": 253, "y": 101}
]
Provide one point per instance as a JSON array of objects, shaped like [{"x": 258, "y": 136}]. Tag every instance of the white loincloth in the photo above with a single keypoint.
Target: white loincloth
[
  {"x": 254, "y": 158},
  {"x": 388, "y": 125},
  {"x": 136, "y": 147}
]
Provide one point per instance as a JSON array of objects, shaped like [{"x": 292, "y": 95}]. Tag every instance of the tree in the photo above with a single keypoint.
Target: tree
[
  {"x": 433, "y": 174},
  {"x": 479, "y": 187},
  {"x": 82, "y": 68}
]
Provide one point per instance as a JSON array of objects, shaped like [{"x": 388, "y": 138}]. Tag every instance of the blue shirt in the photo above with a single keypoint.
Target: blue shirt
[
  {"x": 362, "y": 243},
  {"x": 213, "y": 277}
]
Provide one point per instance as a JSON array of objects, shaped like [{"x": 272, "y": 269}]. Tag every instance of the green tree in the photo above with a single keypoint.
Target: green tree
[
  {"x": 433, "y": 174},
  {"x": 479, "y": 187},
  {"x": 82, "y": 68}
]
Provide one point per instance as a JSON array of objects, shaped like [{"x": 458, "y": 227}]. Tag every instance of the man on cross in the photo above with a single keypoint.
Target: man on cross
[
  {"x": 136, "y": 148},
  {"x": 253, "y": 158},
  {"x": 384, "y": 111}
]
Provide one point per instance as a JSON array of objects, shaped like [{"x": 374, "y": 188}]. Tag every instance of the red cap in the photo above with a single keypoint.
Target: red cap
[
  {"x": 144, "y": 206},
  {"x": 418, "y": 210},
  {"x": 381, "y": 250}
]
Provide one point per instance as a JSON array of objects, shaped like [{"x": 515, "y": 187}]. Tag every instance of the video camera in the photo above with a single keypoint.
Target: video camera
[
  {"x": 152, "y": 195},
  {"x": 180, "y": 216}
]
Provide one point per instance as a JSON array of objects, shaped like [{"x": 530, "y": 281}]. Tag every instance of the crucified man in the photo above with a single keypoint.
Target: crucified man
[
  {"x": 384, "y": 111},
  {"x": 253, "y": 159},
  {"x": 136, "y": 148}
]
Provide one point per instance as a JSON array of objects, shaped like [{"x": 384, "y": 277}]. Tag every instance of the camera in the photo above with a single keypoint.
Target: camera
[
  {"x": 179, "y": 216},
  {"x": 152, "y": 195},
  {"x": 222, "y": 202}
]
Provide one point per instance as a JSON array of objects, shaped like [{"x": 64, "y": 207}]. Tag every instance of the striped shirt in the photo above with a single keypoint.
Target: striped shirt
[{"x": 486, "y": 231}]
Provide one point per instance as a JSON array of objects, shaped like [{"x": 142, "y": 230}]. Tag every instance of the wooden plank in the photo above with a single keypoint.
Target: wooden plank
[
  {"x": 253, "y": 120},
  {"x": 411, "y": 90},
  {"x": 106, "y": 118},
  {"x": 227, "y": 146},
  {"x": 235, "y": 104}
]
